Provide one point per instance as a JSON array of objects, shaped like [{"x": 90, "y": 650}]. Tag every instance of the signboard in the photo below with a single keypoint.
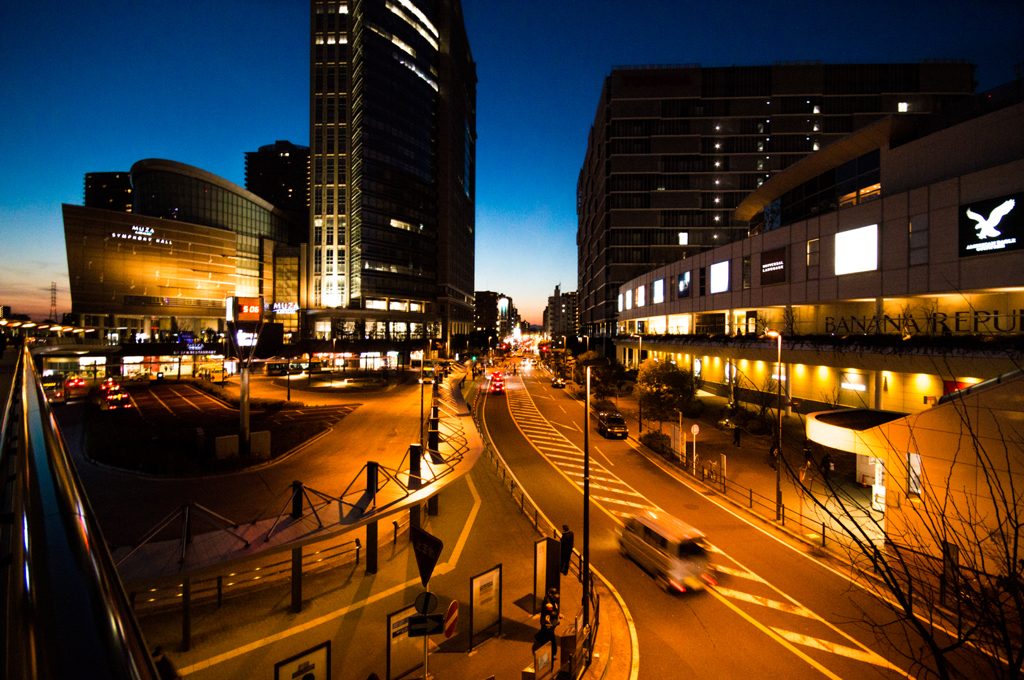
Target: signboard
[
  {"x": 451, "y": 619},
  {"x": 404, "y": 652},
  {"x": 484, "y": 602},
  {"x": 421, "y": 626},
  {"x": 695, "y": 429},
  {"x": 427, "y": 549},
  {"x": 244, "y": 309},
  {"x": 684, "y": 285},
  {"x": 312, "y": 664},
  {"x": 547, "y": 558},
  {"x": 773, "y": 266},
  {"x": 995, "y": 225},
  {"x": 857, "y": 250}
]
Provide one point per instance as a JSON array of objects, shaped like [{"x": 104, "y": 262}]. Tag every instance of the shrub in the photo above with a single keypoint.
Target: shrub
[{"x": 658, "y": 442}]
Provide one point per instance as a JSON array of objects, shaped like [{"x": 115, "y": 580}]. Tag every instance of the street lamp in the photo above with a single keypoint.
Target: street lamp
[
  {"x": 778, "y": 441},
  {"x": 585, "y": 571}
]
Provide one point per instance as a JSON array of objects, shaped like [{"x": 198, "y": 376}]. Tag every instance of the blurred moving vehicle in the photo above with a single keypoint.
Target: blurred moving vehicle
[
  {"x": 667, "y": 548},
  {"x": 53, "y": 387},
  {"x": 115, "y": 398},
  {"x": 611, "y": 424},
  {"x": 76, "y": 387},
  {"x": 558, "y": 381}
]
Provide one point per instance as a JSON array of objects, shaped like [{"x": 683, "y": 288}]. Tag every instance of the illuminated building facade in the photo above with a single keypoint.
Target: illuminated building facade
[
  {"x": 393, "y": 138},
  {"x": 904, "y": 305},
  {"x": 674, "y": 149},
  {"x": 560, "y": 314},
  {"x": 192, "y": 240},
  {"x": 496, "y": 315}
]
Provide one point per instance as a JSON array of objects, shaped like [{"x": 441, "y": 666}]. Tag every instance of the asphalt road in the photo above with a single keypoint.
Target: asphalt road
[{"x": 777, "y": 611}]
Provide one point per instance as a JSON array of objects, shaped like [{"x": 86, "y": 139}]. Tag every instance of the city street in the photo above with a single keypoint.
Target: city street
[{"x": 778, "y": 610}]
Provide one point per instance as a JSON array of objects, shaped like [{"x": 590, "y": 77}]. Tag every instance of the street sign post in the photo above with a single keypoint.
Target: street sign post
[
  {"x": 427, "y": 549},
  {"x": 451, "y": 619},
  {"x": 421, "y": 626},
  {"x": 695, "y": 429}
]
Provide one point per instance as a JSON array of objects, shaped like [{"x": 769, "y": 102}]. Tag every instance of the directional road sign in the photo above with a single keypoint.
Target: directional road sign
[
  {"x": 421, "y": 626},
  {"x": 427, "y": 549}
]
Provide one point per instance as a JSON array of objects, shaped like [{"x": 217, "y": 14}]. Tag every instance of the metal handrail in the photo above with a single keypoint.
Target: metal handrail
[{"x": 66, "y": 610}]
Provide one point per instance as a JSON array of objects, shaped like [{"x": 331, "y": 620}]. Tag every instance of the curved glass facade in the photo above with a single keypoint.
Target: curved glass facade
[{"x": 176, "y": 191}]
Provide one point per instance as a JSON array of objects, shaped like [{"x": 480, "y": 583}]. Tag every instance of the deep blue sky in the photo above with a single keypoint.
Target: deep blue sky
[{"x": 91, "y": 86}]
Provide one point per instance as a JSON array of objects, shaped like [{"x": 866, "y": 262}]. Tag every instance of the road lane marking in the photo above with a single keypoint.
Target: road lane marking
[
  {"x": 737, "y": 573},
  {"x": 153, "y": 394},
  {"x": 767, "y": 602},
  {"x": 833, "y": 648}
]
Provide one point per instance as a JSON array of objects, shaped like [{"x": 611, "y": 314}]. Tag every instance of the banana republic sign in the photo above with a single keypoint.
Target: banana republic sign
[
  {"x": 932, "y": 323},
  {"x": 995, "y": 225}
]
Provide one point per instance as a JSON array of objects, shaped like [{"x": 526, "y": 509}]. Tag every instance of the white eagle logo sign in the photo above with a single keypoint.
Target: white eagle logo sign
[{"x": 987, "y": 227}]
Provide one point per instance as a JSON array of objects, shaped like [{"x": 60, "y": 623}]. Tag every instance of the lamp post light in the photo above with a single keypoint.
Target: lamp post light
[
  {"x": 778, "y": 435},
  {"x": 585, "y": 571}
]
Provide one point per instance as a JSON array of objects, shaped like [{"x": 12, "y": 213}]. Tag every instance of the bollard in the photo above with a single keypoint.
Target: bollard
[
  {"x": 395, "y": 522},
  {"x": 358, "y": 546}
]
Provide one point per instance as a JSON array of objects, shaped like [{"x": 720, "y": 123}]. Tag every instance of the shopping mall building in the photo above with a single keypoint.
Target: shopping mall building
[{"x": 891, "y": 263}]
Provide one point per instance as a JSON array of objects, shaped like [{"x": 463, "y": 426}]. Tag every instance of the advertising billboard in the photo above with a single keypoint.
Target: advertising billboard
[
  {"x": 857, "y": 250},
  {"x": 995, "y": 225},
  {"x": 773, "y": 266},
  {"x": 720, "y": 277},
  {"x": 684, "y": 285}
]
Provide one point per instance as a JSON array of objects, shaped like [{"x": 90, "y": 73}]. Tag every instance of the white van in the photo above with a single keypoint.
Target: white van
[{"x": 667, "y": 548}]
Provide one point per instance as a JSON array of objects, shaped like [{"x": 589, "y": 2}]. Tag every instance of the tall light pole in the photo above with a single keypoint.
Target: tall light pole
[
  {"x": 778, "y": 441},
  {"x": 586, "y": 496}
]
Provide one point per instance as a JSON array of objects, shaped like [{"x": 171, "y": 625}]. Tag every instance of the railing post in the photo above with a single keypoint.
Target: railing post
[
  {"x": 296, "y": 500},
  {"x": 751, "y": 498},
  {"x": 415, "y": 454},
  {"x": 186, "y": 614},
  {"x": 297, "y": 579},
  {"x": 395, "y": 523},
  {"x": 371, "y": 548}
]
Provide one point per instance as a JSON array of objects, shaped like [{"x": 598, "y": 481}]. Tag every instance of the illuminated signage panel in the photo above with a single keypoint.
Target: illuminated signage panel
[
  {"x": 857, "y": 250},
  {"x": 684, "y": 285},
  {"x": 641, "y": 296},
  {"x": 244, "y": 308},
  {"x": 995, "y": 225},
  {"x": 773, "y": 266},
  {"x": 658, "y": 295},
  {"x": 720, "y": 277}
]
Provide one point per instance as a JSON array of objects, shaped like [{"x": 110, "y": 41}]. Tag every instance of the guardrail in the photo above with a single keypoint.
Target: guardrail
[
  {"x": 543, "y": 526},
  {"x": 66, "y": 612}
]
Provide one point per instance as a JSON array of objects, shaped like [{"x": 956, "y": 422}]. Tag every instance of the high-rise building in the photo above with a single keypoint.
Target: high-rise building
[
  {"x": 674, "y": 149},
  {"x": 495, "y": 314},
  {"x": 279, "y": 173},
  {"x": 393, "y": 148},
  {"x": 108, "y": 191},
  {"x": 560, "y": 314}
]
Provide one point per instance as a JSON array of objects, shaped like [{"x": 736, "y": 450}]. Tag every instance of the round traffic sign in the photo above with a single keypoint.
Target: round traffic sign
[
  {"x": 451, "y": 619},
  {"x": 695, "y": 429},
  {"x": 426, "y": 602}
]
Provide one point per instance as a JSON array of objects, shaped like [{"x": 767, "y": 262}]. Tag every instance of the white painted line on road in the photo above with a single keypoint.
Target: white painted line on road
[
  {"x": 152, "y": 394},
  {"x": 738, "y": 573},
  {"x": 831, "y": 647},
  {"x": 619, "y": 502},
  {"x": 185, "y": 399},
  {"x": 767, "y": 602}
]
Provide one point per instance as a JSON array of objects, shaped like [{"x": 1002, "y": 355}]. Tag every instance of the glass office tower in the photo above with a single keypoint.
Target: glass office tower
[{"x": 392, "y": 143}]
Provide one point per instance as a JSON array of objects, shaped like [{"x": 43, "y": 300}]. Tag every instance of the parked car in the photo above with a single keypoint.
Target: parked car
[{"x": 611, "y": 424}]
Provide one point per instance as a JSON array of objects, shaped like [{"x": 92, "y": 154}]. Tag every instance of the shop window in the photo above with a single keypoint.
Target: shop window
[
  {"x": 918, "y": 252},
  {"x": 914, "y": 474}
]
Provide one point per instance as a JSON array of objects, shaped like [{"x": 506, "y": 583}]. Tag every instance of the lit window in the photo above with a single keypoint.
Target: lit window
[
  {"x": 817, "y": 109},
  {"x": 641, "y": 296},
  {"x": 914, "y": 474},
  {"x": 684, "y": 238},
  {"x": 629, "y": 299},
  {"x": 620, "y": 302},
  {"x": 816, "y": 146},
  {"x": 903, "y": 107},
  {"x": 658, "y": 296}
]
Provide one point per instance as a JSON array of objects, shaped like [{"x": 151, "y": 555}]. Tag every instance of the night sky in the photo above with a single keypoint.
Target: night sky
[{"x": 93, "y": 86}]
